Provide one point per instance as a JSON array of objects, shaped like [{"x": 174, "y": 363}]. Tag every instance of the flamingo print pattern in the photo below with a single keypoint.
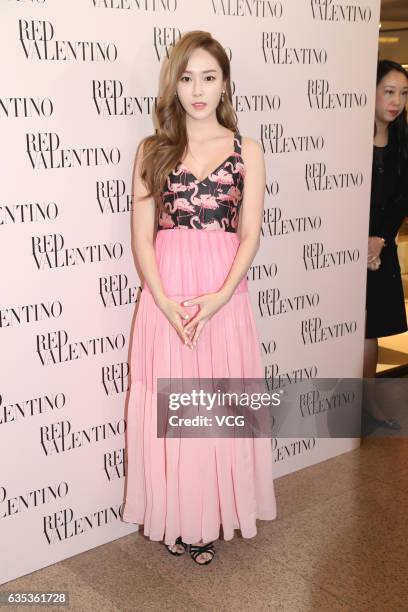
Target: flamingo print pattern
[{"x": 211, "y": 204}]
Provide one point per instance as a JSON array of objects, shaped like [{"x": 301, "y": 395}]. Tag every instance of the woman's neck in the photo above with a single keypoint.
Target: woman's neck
[
  {"x": 203, "y": 129},
  {"x": 381, "y": 135}
]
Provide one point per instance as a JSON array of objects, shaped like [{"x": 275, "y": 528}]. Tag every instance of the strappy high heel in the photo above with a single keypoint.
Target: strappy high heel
[
  {"x": 178, "y": 541},
  {"x": 196, "y": 550}
]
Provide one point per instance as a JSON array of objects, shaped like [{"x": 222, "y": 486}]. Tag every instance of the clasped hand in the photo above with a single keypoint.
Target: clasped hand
[
  {"x": 189, "y": 327},
  {"x": 375, "y": 246}
]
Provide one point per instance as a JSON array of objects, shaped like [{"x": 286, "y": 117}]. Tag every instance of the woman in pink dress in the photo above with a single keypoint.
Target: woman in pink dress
[{"x": 196, "y": 233}]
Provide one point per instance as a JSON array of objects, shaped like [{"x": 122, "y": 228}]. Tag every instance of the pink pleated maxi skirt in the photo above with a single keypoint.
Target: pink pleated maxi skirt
[{"x": 190, "y": 487}]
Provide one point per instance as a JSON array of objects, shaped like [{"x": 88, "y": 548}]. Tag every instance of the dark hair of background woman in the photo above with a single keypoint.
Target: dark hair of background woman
[{"x": 398, "y": 130}]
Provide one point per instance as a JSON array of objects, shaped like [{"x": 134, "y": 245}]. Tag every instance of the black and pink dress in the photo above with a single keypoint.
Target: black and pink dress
[{"x": 189, "y": 487}]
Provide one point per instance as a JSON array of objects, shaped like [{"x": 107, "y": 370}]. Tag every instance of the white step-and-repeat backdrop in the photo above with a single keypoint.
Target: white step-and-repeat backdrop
[{"x": 78, "y": 88}]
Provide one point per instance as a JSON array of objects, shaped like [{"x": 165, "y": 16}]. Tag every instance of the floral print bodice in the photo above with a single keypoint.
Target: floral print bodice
[{"x": 211, "y": 204}]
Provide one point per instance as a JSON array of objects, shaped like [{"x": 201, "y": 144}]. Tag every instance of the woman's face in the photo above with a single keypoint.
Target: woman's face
[
  {"x": 200, "y": 86},
  {"x": 391, "y": 97}
]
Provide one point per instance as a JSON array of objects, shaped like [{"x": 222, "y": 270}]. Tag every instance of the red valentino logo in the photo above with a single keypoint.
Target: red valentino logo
[
  {"x": 38, "y": 43},
  {"x": 164, "y": 39},
  {"x": 327, "y": 10}
]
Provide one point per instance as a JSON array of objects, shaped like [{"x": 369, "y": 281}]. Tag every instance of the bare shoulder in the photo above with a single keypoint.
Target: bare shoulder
[
  {"x": 140, "y": 149},
  {"x": 139, "y": 188},
  {"x": 251, "y": 149},
  {"x": 253, "y": 155}
]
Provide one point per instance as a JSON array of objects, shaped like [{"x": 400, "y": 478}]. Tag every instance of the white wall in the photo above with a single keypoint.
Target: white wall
[{"x": 61, "y": 414}]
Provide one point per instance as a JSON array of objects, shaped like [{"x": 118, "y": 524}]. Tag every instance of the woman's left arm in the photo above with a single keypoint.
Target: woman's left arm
[
  {"x": 249, "y": 230},
  {"x": 250, "y": 221}
]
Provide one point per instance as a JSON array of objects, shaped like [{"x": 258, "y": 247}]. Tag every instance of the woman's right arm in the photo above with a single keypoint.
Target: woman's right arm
[
  {"x": 143, "y": 233},
  {"x": 143, "y": 227},
  {"x": 375, "y": 246}
]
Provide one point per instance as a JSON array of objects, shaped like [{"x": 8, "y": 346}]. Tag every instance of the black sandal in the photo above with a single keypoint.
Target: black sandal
[
  {"x": 196, "y": 550},
  {"x": 178, "y": 541}
]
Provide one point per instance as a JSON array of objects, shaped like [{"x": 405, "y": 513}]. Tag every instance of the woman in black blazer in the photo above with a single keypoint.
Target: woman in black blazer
[{"x": 385, "y": 305}]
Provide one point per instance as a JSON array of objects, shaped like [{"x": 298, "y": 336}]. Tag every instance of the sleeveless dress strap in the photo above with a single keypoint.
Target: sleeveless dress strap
[{"x": 237, "y": 143}]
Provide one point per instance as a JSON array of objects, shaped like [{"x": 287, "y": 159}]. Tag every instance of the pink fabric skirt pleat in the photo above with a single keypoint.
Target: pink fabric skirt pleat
[{"x": 190, "y": 487}]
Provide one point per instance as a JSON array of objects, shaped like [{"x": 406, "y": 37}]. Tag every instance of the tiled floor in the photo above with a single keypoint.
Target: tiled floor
[{"x": 340, "y": 543}]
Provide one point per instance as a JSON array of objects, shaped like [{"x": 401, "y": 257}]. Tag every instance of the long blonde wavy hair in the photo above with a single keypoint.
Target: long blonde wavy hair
[{"x": 165, "y": 149}]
